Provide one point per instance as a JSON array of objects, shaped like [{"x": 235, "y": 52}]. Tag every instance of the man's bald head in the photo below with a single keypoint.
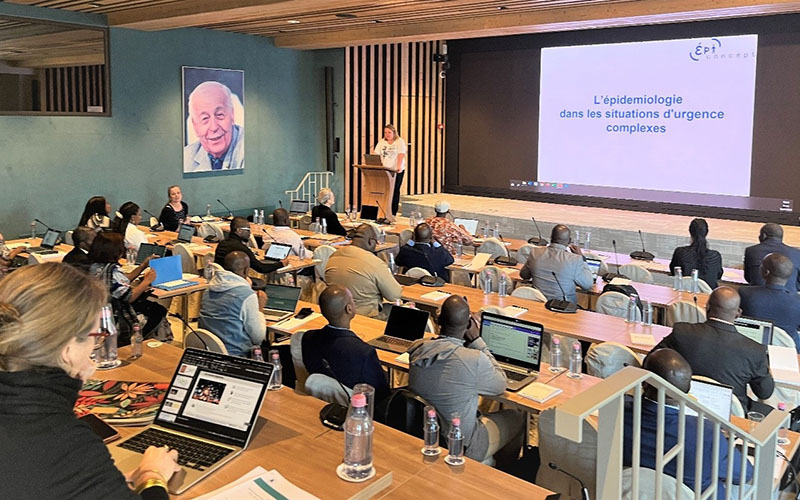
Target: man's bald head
[
  {"x": 280, "y": 217},
  {"x": 336, "y": 304},
  {"x": 776, "y": 269},
  {"x": 560, "y": 234},
  {"x": 365, "y": 237},
  {"x": 770, "y": 231},
  {"x": 423, "y": 233},
  {"x": 454, "y": 317},
  {"x": 671, "y": 366},
  {"x": 723, "y": 303},
  {"x": 237, "y": 262}
]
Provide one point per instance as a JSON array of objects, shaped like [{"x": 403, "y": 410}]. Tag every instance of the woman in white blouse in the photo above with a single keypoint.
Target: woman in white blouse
[
  {"x": 392, "y": 149},
  {"x": 126, "y": 225}
]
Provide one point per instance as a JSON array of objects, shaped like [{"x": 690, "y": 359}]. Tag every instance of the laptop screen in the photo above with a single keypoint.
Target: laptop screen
[
  {"x": 215, "y": 396},
  {"x": 167, "y": 269},
  {"x": 186, "y": 232},
  {"x": 282, "y": 298},
  {"x": 471, "y": 225},
  {"x": 49, "y": 239},
  {"x": 148, "y": 249},
  {"x": 512, "y": 340},
  {"x": 755, "y": 329},
  {"x": 406, "y": 323},
  {"x": 298, "y": 206},
  {"x": 594, "y": 265},
  {"x": 278, "y": 251},
  {"x": 369, "y": 212},
  {"x": 715, "y": 397}
]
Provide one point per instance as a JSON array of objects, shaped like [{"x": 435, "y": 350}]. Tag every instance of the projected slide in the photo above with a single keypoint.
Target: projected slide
[{"x": 674, "y": 115}]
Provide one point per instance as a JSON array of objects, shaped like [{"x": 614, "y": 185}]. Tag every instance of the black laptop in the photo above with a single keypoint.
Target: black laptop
[
  {"x": 298, "y": 207},
  {"x": 369, "y": 212},
  {"x": 49, "y": 241},
  {"x": 405, "y": 325},
  {"x": 185, "y": 233},
  {"x": 148, "y": 249}
]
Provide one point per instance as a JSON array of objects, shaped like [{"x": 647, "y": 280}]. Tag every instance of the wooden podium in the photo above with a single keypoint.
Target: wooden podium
[{"x": 377, "y": 188}]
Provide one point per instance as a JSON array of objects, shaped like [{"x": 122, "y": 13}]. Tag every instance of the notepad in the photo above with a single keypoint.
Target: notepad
[
  {"x": 435, "y": 296},
  {"x": 478, "y": 262},
  {"x": 258, "y": 484},
  {"x": 514, "y": 311},
  {"x": 643, "y": 339},
  {"x": 783, "y": 364},
  {"x": 620, "y": 281},
  {"x": 539, "y": 392},
  {"x": 292, "y": 323}
]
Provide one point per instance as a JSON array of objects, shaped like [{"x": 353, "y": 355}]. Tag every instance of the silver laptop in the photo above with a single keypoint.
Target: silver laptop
[
  {"x": 185, "y": 233},
  {"x": 716, "y": 397},
  {"x": 404, "y": 326},
  {"x": 281, "y": 301},
  {"x": 208, "y": 415},
  {"x": 757, "y": 330},
  {"x": 516, "y": 344},
  {"x": 471, "y": 225},
  {"x": 374, "y": 160},
  {"x": 278, "y": 251}
]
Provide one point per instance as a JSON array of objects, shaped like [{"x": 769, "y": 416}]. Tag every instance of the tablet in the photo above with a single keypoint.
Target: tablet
[{"x": 278, "y": 251}]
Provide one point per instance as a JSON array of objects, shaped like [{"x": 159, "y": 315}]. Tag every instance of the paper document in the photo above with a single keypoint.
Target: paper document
[
  {"x": 478, "y": 262},
  {"x": 514, "y": 311},
  {"x": 461, "y": 261},
  {"x": 620, "y": 281},
  {"x": 539, "y": 392},
  {"x": 643, "y": 339},
  {"x": 403, "y": 358},
  {"x": 259, "y": 484},
  {"x": 783, "y": 364},
  {"x": 292, "y": 323},
  {"x": 435, "y": 296},
  {"x": 12, "y": 246}
]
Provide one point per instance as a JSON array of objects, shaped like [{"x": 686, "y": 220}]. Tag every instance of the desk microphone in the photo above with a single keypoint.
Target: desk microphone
[
  {"x": 644, "y": 254},
  {"x": 205, "y": 345},
  {"x": 561, "y": 306},
  {"x": 385, "y": 219},
  {"x": 230, "y": 214},
  {"x": 610, "y": 276},
  {"x": 503, "y": 260},
  {"x": 158, "y": 226},
  {"x": 584, "y": 489},
  {"x": 435, "y": 280},
  {"x": 540, "y": 242},
  {"x": 696, "y": 309},
  {"x": 333, "y": 415}
]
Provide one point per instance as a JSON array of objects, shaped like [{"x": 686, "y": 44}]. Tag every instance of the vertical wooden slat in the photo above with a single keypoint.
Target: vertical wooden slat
[{"x": 347, "y": 159}]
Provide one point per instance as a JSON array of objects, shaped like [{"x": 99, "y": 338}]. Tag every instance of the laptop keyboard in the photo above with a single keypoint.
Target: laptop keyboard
[
  {"x": 395, "y": 341},
  {"x": 191, "y": 452},
  {"x": 174, "y": 283},
  {"x": 516, "y": 376}
]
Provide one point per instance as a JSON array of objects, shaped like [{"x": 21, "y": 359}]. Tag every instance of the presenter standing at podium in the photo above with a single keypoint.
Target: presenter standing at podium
[{"x": 392, "y": 149}]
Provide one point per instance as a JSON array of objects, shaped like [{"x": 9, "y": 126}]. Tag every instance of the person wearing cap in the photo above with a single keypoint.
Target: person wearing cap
[{"x": 446, "y": 231}]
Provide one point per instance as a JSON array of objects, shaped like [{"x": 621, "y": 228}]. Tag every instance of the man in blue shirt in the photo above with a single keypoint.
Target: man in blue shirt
[
  {"x": 669, "y": 365},
  {"x": 423, "y": 252},
  {"x": 773, "y": 301},
  {"x": 770, "y": 241}
]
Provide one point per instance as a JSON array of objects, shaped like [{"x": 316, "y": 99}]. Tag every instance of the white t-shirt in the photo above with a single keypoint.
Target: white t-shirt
[
  {"x": 389, "y": 153},
  {"x": 134, "y": 237}
]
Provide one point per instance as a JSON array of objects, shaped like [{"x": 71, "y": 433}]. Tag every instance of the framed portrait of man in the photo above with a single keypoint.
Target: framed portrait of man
[{"x": 213, "y": 119}]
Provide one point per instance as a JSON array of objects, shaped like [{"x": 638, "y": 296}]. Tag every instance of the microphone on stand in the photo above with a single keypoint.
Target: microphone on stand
[
  {"x": 384, "y": 220},
  {"x": 503, "y": 260},
  {"x": 205, "y": 345},
  {"x": 157, "y": 226},
  {"x": 610, "y": 276},
  {"x": 534, "y": 240},
  {"x": 644, "y": 254},
  {"x": 45, "y": 225},
  {"x": 230, "y": 213},
  {"x": 696, "y": 309},
  {"x": 333, "y": 415},
  {"x": 584, "y": 489},
  {"x": 561, "y": 306},
  {"x": 280, "y": 203}
]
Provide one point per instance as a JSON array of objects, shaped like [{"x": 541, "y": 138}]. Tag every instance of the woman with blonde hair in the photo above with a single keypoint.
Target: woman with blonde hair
[
  {"x": 393, "y": 149},
  {"x": 49, "y": 323}
]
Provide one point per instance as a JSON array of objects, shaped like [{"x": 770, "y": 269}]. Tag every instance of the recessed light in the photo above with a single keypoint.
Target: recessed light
[
  {"x": 376, "y": 21},
  {"x": 501, "y": 7},
  {"x": 95, "y": 5},
  {"x": 345, "y": 15},
  {"x": 293, "y": 21}
]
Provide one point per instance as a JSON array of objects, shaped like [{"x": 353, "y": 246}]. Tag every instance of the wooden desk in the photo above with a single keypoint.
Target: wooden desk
[
  {"x": 290, "y": 438},
  {"x": 658, "y": 295},
  {"x": 791, "y": 448},
  {"x": 730, "y": 275},
  {"x": 62, "y": 248}
]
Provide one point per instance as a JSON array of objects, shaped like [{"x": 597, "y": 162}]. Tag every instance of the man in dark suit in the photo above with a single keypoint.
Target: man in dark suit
[
  {"x": 715, "y": 349},
  {"x": 236, "y": 241},
  {"x": 352, "y": 361},
  {"x": 771, "y": 241},
  {"x": 773, "y": 301},
  {"x": 423, "y": 252},
  {"x": 82, "y": 238}
]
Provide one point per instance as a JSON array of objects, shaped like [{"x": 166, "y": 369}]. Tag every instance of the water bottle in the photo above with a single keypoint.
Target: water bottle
[
  {"x": 578, "y": 238},
  {"x": 631, "y": 309},
  {"x": 678, "y": 283},
  {"x": 588, "y": 240},
  {"x": 648, "y": 313},
  {"x": 392, "y": 266},
  {"x": 575, "y": 361},
  {"x": 130, "y": 255},
  {"x": 496, "y": 232},
  {"x": 33, "y": 229},
  {"x": 107, "y": 350},
  {"x": 208, "y": 210},
  {"x": 556, "y": 363},
  {"x": 357, "y": 463},
  {"x": 324, "y": 226},
  {"x": 459, "y": 248},
  {"x": 208, "y": 272},
  {"x": 412, "y": 221},
  {"x": 136, "y": 342},
  {"x": 382, "y": 236},
  {"x": 486, "y": 229},
  {"x": 695, "y": 281},
  {"x": 430, "y": 432},
  {"x": 783, "y": 432},
  {"x": 502, "y": 286},
  {"x": 455, "y": 443},
  {"x": 257, "y": 354},
  {"x": 276, "y": 381},
  {"x": 487, "y": 284},
  {"x": 261, "y": 218}
]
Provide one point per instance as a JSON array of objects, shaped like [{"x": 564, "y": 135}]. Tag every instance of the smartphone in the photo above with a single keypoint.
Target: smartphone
[
  {"x": 102, "y": 429},
  {"x": 303, "y": 313}
]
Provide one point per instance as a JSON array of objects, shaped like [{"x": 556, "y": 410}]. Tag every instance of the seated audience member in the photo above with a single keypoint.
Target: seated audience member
[
  {"x": 445, "y": 231},
  {"x": 126, "y": 299},
  {"x": 282, "y": 233},
  {"x": 95, "y": 214},
  {"x": 82, "y": 238},
  {"x": 357, "y": 268},
  {"x": 237, "y": 240},
  {"x": 351, "y": 360},
  {"x": 671, "y": 366},
  {"x": 48, "y": 315},
  {"x": 562, "y": 258},
  {"x": 232, "y": 309},
  {"x": 176, "y": 211},
  {"x": 126, "y": 226},
  {"x": 773, "y": 301},
  {"x": 452, "y": 370},
  {"x": 715, "y": 349},
  {"x": 426, "y": 253},
  {"x": 698, "y": 256},
  {"x": 770, "y": 241},
  {"x": 7, "y": 255},
  {"x": 326, "y": 199}
]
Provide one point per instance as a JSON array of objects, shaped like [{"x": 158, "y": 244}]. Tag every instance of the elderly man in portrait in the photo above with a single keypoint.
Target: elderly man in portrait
[{"x": 220, "y": 144}]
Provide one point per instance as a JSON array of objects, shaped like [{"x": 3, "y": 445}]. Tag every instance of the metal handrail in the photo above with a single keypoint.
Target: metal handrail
[{"x": 309, "y": 187}]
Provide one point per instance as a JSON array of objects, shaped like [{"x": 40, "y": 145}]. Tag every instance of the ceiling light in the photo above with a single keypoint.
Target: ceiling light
[
  {"x": 501, "y": 7},
  {"x": 293, "y": 21},
  {"x": 95, "y": 5},
  {"x": 376, "y": 21},
  {"x": 345, "y": 15}
]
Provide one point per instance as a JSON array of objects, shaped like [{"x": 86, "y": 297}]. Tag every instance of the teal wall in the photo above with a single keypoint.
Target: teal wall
[{"x": 51, "y": 165}]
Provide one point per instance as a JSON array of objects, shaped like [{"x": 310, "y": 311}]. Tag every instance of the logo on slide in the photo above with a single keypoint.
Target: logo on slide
[{"x": 705, "y": 48}]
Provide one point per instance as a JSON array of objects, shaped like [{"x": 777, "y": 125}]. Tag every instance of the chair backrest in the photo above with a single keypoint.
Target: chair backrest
[
  {"x": 322, "y": 253},
  {"x": 647, "y": 486},
  {"x": 686, "y": 312},
  {"x": 207, "y": 229},
  {"x": 702, "y": 286},
  {"x": 636, "y": 273},
  {"x": 405, "y": 235},
  {"x": 615, "y": 304},
  {"x": 405, "y": 411},
  {"x": 607, "y": 358},
  {"x": 68, "y": 238},
  {"x": 327, "y": 389},
  {"x": 417, "y": 272},
  {"x": 215, "y": 268},
  {"x": 781, "y": 338},
  {"x": 187, "y": 258},
  {"x": 300, "y": 371},
  {"x": 783, "y": 394},
  {"x": 529, "y": 292},
  {"x": 494, "y": 247},
  {"x": 737, "y": 409},
  {"x": 201, "y": 338},
  {"x": 153, "y": 221},
  {"x": 524, "y": 252},
  {"x": 579, "y": 459},
  {"x": 304, "y": 222}
]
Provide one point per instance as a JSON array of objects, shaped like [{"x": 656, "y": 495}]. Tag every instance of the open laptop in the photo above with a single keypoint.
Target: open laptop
[
  {"x": 373, "y": 160},
  {"x": 404, "y": 326},
  {"x": 516, "y": 344},
  {"x": 185, "y": 233},
  {"x": 281, "y": 301},
  {"x": 716, "y": 397},
  {"x": 369, "y": 212},
  {"x": 169, "y": 273},
  {"x": 48, "y": 242},
  {"x": 208, "y": 415},
  {"x": 594, "y": 265},
  {"x": 278, "y": 251},
  {"x": 148, "y": 249},
  {"x": 299, "y": 206},
  {"x": 755, "y": 329},
  {"x": 471, "y": 225}
]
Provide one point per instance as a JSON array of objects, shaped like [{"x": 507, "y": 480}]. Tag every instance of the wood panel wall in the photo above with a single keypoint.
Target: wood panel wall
[
  {"x": 398, "y": 84},
  {"x": 73, "y": 89}
]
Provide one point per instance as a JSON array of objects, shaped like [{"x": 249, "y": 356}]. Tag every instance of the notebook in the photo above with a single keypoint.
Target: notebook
[
  {"x": 539, "y": 392},
  {"x": 478, "y": 262}
]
